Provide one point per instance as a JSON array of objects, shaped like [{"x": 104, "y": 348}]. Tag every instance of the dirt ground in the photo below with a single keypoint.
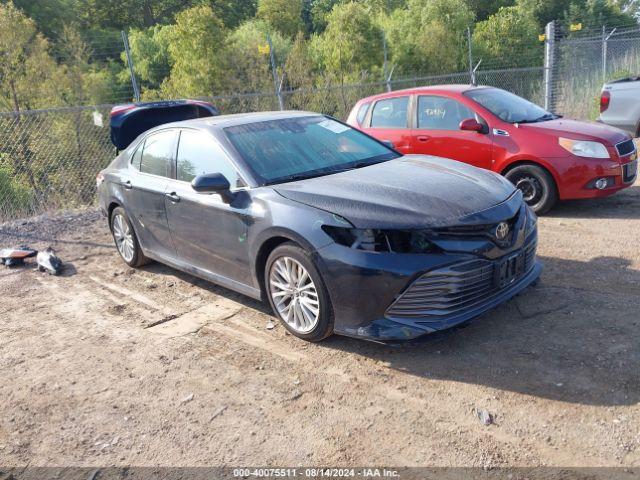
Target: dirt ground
[{"x": 108, "y": 365}]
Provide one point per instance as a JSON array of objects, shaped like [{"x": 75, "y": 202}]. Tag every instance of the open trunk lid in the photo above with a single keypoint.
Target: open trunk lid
[{"x": 130, "y": 120}]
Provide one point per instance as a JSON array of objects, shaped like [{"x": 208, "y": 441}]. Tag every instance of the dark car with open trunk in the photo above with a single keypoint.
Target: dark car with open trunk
[{"x": 339, "y": 232}]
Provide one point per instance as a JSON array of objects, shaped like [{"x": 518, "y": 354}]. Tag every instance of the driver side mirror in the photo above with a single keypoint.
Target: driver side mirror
[
  {"x": 472, "y": 125},
  {"x": 213, "y": 183}
]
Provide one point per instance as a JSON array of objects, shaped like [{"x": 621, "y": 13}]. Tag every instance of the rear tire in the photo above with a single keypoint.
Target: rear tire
[
  {"x": 537, "y": 186},
  {"x": 125, "y": 239},
  {"x": 297, "y": 293}
]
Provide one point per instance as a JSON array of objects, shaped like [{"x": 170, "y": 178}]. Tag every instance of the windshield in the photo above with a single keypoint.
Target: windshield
[
  {"x": 304, "y": 147},
  {"x": 509, "y": 107}
]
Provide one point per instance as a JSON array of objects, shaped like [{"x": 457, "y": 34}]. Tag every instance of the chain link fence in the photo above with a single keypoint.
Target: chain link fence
[
  {"x": 49, "y": 158},
  {"x": 584, "y": 61}
]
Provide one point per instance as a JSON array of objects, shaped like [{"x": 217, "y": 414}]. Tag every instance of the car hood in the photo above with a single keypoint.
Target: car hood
[
  {"x": 578, "y": 130},
  {"x": 415, "y": 191}
]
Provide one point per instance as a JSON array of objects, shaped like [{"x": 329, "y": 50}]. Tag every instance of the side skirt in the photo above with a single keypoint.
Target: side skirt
[{"x": 234, "y": 285}]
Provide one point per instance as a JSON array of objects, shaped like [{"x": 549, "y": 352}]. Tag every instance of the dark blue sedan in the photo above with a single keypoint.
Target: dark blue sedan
[{"x": 338, "y": 231}]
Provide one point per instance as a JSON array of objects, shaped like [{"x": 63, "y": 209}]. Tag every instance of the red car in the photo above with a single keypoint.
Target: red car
[{"x": 549, "y": 158}]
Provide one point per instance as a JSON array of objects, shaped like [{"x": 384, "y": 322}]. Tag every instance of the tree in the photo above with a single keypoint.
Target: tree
[
  {"x": 508, "y": 38},
  {"x": 285, "y": 16},
  {"x": 248, "y": 57},
  {"x": 49, "y": 16},
  {"x": 351, "y": 44},
  {"x": 26, "y": 68},
  {"x": 234, "y": 12},
  {"x": 428, "y": 36},
  {"x": 150, "y": 54},
  {"x": 483, "y": 9},
  {"x": 124, "y": 14},
  {"x": 196, "y": 53},
  {"x": 591, "y": 13}
]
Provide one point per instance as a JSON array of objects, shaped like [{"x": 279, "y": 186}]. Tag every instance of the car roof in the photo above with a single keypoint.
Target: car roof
[
  {"x": 455, "y": 88},
  {"x": 223, "y": 121}
]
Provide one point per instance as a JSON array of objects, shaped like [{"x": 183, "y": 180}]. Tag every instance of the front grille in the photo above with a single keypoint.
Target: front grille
[
  {"x": 625, "y": 148},
  {"x": 629, "y": 171},
  {"x": 487, "y": 230},
  {"x": 453, "y": 289}
]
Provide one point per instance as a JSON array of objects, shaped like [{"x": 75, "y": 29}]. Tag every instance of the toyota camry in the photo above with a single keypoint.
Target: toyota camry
[{"x": 339, "y": 232}]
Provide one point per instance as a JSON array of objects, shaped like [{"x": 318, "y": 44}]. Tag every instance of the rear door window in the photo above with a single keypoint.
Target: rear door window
[
  {"x": 137, "y": 156},
  {"x": 390, "y": 113},
  {"x": 362, "y": 113},
  {"x": 157, "y": 153},
  {"x": 441, "y": 113},
  {"x": 198, "y": 154}
]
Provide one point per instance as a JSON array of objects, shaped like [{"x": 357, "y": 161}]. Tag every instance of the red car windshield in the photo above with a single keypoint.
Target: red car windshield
[{"x": 509, "y": 107}]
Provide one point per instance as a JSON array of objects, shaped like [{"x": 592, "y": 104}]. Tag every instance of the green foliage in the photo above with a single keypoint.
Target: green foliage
[
  {"x": 234, "y": 12},
  {"x": 150, "y": 53},
  {"x": 428, "y": 36},
  {"x": 248, "y": 58},
  {"x": 285, "y": 16},
  {"x": 15, "y": 196},
  {"x": 511, "y": 33},
  {"x": 591, "y": 13},
  {"x": 483, "y": 9},
  {"x": 27, "y": 72},
  {"x": 196, "y": 46},
  {"x": 351, "y": 44}
]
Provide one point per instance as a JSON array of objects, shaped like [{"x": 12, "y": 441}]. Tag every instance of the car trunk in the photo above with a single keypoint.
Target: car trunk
[{"x": 130, "y": 120}]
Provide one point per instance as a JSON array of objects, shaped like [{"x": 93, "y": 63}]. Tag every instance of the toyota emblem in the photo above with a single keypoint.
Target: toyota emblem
[{"x": 502, "y": 230}]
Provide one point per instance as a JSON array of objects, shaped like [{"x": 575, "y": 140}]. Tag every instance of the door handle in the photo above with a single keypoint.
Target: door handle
[
  {"x": 173, "y": 197},
  {"x": 127, "y": 185},
  {"x": 423, "y": 138}
]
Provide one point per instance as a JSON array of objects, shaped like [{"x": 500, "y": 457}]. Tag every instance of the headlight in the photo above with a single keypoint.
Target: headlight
[
  {"x": 532, "y": 221},
  {"x": 583, "y": 148},
  {"x": 395, "y": 241}
]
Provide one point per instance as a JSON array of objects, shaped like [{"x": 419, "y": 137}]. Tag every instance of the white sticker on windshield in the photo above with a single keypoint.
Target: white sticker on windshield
[{"x": 332, "y": 125}]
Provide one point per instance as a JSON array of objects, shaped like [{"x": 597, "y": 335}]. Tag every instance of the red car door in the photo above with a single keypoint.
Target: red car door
[
  {"x": 437, "y": 132},
  {"x": 389, "y": 121}
]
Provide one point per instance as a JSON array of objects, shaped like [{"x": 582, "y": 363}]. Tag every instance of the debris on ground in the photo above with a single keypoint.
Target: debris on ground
[
  {"x": 485, "y": 417},
  {"x": 49, "y": 262},
  {"x": 14, "y": 257},
  {"x": 270, "y": 325},
  {"x": 187, "y": 399},
  {"x": 218, "y": 412}
]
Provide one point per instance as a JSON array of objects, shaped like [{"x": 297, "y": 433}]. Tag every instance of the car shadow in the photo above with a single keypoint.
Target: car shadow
[
  {"x": 160, "y": 269},
  {"x": 615, "y": 206},
  {"x": 575, "y": 337}
]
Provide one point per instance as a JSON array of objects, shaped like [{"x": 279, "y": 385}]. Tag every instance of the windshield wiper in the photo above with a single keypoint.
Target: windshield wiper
[
  {"x": 543, "y": 118},
  {"x": 298, "y": 176}
]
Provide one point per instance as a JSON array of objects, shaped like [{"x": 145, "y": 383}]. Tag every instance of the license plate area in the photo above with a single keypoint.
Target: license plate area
[{"x": 509, "y": 270}]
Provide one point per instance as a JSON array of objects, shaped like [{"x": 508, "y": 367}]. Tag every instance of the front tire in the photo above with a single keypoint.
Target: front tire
[
  {"x": 297, "y": 293},
  {"x": 125, "y": 239},
  {"x": 537, "y": 186}
]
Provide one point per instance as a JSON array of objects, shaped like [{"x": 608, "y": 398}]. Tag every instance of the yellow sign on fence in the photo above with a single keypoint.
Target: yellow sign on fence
[
  {"x": 542, "y": 37},
  {"x": 574, "y": 27}
]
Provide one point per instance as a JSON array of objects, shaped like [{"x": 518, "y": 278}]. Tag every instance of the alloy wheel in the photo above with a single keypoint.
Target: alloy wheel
[
  {"x": 123, "y": 237},
  {"x": 294, "y": 294}
]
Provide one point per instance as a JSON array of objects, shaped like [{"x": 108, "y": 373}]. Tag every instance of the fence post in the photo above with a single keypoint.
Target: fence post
[
  {"x": 134, "y": 83},
  {"x": 385, "y": 65},
  {"x": 549, "y": 64},
  {"x": 472, "y": 72},
  {"x": 605, "y": 41},
  {"x": 276, "y": 84}
]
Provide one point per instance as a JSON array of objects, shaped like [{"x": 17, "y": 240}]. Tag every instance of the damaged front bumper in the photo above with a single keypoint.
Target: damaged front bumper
[{"x": 390, "y": 297}]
